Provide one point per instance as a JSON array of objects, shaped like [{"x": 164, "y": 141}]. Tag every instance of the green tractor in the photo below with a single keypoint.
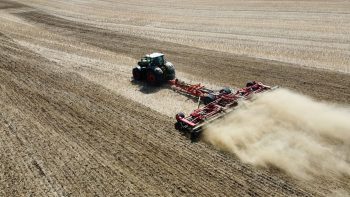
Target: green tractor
[{"x": 154, "y": 69}]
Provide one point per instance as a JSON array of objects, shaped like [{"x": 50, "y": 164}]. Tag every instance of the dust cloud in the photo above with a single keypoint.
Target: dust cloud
[{"x": 287, "y": 130}]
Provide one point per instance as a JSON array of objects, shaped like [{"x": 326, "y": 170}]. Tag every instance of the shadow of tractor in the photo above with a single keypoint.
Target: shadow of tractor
[{"x": 146, "y": 88}]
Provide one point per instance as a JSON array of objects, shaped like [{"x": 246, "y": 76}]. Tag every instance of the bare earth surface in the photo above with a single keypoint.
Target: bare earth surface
[{"x": 73, "y": 123}]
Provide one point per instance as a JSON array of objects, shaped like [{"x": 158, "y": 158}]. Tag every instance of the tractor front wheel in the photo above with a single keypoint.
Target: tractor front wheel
[
  {"x": 137, "y": 73},
  {"x": 151, "y": 78},
  {"x": 154, "y": 77}
]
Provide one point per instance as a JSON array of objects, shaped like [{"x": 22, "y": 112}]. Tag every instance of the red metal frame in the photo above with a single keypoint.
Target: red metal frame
[
  {"x": 222, "y": 103},
  {"x": 195, "y": 90}
]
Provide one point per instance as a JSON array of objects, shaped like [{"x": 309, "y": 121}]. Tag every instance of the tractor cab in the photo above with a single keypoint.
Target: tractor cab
[
  {"x": 157, "y": 59},
  {"x": 153, "y": 59},
  {"x": 154, "y": 68}
]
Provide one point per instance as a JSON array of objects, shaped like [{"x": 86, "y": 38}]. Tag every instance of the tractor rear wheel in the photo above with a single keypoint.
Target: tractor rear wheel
[{"x": 170, "y": 71}]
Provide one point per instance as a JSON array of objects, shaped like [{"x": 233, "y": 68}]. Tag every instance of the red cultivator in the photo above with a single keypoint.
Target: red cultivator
[{"x": 217, "y": 104}]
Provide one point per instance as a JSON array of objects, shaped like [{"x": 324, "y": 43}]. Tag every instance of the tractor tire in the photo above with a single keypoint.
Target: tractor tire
[
  {"x": 137, "y": 73},
  {"x": 170, "y": 71},
  {"x": 208, "y": 99},
  {"x": 154, "y": 76},
  {"x": 171, "y": 76}
]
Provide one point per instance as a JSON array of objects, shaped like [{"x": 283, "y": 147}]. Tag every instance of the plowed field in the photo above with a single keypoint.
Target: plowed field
[{"x": 74, "y": 124}]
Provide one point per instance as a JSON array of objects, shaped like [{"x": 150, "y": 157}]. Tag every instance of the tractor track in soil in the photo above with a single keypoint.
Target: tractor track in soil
[{"x": 64, "y": 135}]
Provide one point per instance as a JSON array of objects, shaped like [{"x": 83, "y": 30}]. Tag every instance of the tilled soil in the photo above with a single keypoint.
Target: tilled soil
[
  {"x": 64, "y": 134},
  {"x": 210, "y": 65}
]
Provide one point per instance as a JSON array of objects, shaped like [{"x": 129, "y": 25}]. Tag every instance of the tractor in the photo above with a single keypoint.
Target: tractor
[{"x": 154, "y": 69}]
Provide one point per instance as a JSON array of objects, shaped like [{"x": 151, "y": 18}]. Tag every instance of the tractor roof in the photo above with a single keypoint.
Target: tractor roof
[{"x": 153, "y": 55}]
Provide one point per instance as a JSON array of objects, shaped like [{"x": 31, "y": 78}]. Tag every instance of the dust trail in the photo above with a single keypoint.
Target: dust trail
[{"x": 287, "y": 130}]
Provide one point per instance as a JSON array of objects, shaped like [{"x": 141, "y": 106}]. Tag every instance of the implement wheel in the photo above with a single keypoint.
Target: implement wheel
[
  {"x": 195, "y": 136},
  {"x": 225, "y": 90},
  {"x": 250, "y": 83},
  {"x": 178, "y": 126},
  {"x": 208, "y": 99}
]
